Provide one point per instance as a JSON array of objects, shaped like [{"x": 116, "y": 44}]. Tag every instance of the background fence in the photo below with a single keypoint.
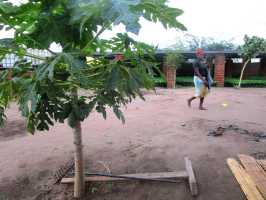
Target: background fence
[{"x": 10, "y": 59}]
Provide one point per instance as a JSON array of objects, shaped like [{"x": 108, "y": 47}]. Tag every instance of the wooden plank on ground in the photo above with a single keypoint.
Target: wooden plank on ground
[
  {"x": 262, "y": 164},
  {"x": 255, "y": 171},
  {"x": 191, "y": 177},
  {"x": 244, "y": 180},
  {"x": 158, "y": 175}
]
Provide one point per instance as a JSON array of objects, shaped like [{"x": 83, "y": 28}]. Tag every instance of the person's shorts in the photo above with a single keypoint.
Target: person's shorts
[{"x": 201, "y": 90}]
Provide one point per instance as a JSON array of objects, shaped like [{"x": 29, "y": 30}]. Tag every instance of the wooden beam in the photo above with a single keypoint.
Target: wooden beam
[
  {"x": 191, "y": 177},
  {"x": 158, "y": 175},
  {"x": 255, "y": 171},
  {"x": 244, "y": 180}
]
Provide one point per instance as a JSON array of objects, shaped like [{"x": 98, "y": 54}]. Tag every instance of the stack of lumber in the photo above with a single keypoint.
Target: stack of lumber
[{"x": 251, "y": 176}]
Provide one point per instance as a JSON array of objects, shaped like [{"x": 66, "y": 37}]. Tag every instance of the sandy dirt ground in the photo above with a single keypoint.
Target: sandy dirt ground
[{"x": 158, "y": 134}]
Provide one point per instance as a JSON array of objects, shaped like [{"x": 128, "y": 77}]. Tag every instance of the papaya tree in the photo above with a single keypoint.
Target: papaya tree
[
  {"x": 50, "y": 92},
  {"x": 251, "y": 48}
]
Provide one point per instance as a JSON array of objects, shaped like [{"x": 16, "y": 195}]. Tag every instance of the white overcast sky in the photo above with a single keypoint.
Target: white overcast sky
[{"x": 221, "y": 19}]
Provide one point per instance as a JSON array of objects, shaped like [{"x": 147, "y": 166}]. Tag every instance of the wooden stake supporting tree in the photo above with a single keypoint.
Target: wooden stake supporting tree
[{"x": 49, "y": 94}]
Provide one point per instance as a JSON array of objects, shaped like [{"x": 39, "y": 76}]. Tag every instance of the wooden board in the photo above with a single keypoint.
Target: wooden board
[
  {"x": 191, "y": 177},
  {"x": 255, "y": 171},
  {"x": 262, "y": 164},
  {"x": 158, "y": 175},
  {"x": 244, "y": 180}
]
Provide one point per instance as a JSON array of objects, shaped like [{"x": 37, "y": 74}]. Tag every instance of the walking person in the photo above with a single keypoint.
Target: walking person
[{"x": 202, "y": 79}]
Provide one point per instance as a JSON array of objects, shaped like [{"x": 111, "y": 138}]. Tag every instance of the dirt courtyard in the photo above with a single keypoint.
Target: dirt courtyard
[{"x": 158, "y": 134}]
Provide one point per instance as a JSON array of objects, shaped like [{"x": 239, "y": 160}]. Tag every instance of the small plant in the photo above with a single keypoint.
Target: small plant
[
  {"x": 94, "y": 190},
  {"x": 174, "y": 59}
]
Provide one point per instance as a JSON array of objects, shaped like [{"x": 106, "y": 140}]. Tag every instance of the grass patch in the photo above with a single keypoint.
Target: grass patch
[
  {"x": 159, "y": 82},
  {"x": 251, "y": 82},
  {"x": 185, "y": 81}
]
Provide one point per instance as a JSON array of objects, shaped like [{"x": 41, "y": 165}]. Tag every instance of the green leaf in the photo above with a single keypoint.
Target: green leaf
[
  {"x": 157, "y": 10},
  {"x": 119, "y": 114},
  {"x": 113, "y": 78},
  {"x": 7, "y": 7},
  {"x": 47, "y": 70}
]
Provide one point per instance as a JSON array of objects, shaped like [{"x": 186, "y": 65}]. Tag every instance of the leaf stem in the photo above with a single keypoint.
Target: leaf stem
[{"x": 104, "y": 27}]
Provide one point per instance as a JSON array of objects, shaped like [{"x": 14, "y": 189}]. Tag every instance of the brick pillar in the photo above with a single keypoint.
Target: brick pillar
[
  {"x": 219, "y": 69},
  {"x": 171, "y": 77},
  {"x": 119, "y": 57}
]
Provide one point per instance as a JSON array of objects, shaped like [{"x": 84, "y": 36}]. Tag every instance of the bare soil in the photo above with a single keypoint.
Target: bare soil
[{"x": 158, "y": 134}]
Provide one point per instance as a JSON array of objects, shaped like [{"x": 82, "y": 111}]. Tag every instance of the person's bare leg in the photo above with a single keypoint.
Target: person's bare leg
[
  {"x": 201, "y": 104},
  {"x": 190, "y": 100}
]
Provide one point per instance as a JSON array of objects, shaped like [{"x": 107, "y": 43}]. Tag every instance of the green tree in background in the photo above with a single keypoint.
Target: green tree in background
[
  {"x": 250, "y": 49},
  {"x": 191, "y": 43}
]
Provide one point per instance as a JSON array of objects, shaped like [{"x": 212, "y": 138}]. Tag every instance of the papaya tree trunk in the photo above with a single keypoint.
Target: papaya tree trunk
[
  {"x": 242, "y": 72},
  {"x": 79, "y": 184}
]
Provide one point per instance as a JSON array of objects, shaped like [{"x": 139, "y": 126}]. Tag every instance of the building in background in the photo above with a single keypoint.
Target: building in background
[{"x": 10, "y": 59}]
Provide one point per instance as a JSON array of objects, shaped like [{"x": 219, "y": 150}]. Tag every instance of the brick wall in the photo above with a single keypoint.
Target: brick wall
[
  {"x": 27, "y": 74},
  {"x": 234, "y": 69},
  {"x": 262, "y": 71}
]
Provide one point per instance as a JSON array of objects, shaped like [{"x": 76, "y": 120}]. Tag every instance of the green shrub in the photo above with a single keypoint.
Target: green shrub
[
  {"x": 185, "y": 81},
  {"x": 257, "y": 78},
  {"x": 174, "y": 59},
  {"x": 159, "y": 82}
]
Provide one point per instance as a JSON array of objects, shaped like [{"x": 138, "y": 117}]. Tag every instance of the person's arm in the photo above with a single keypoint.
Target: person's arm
[{"x": 210, "y": 80}]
